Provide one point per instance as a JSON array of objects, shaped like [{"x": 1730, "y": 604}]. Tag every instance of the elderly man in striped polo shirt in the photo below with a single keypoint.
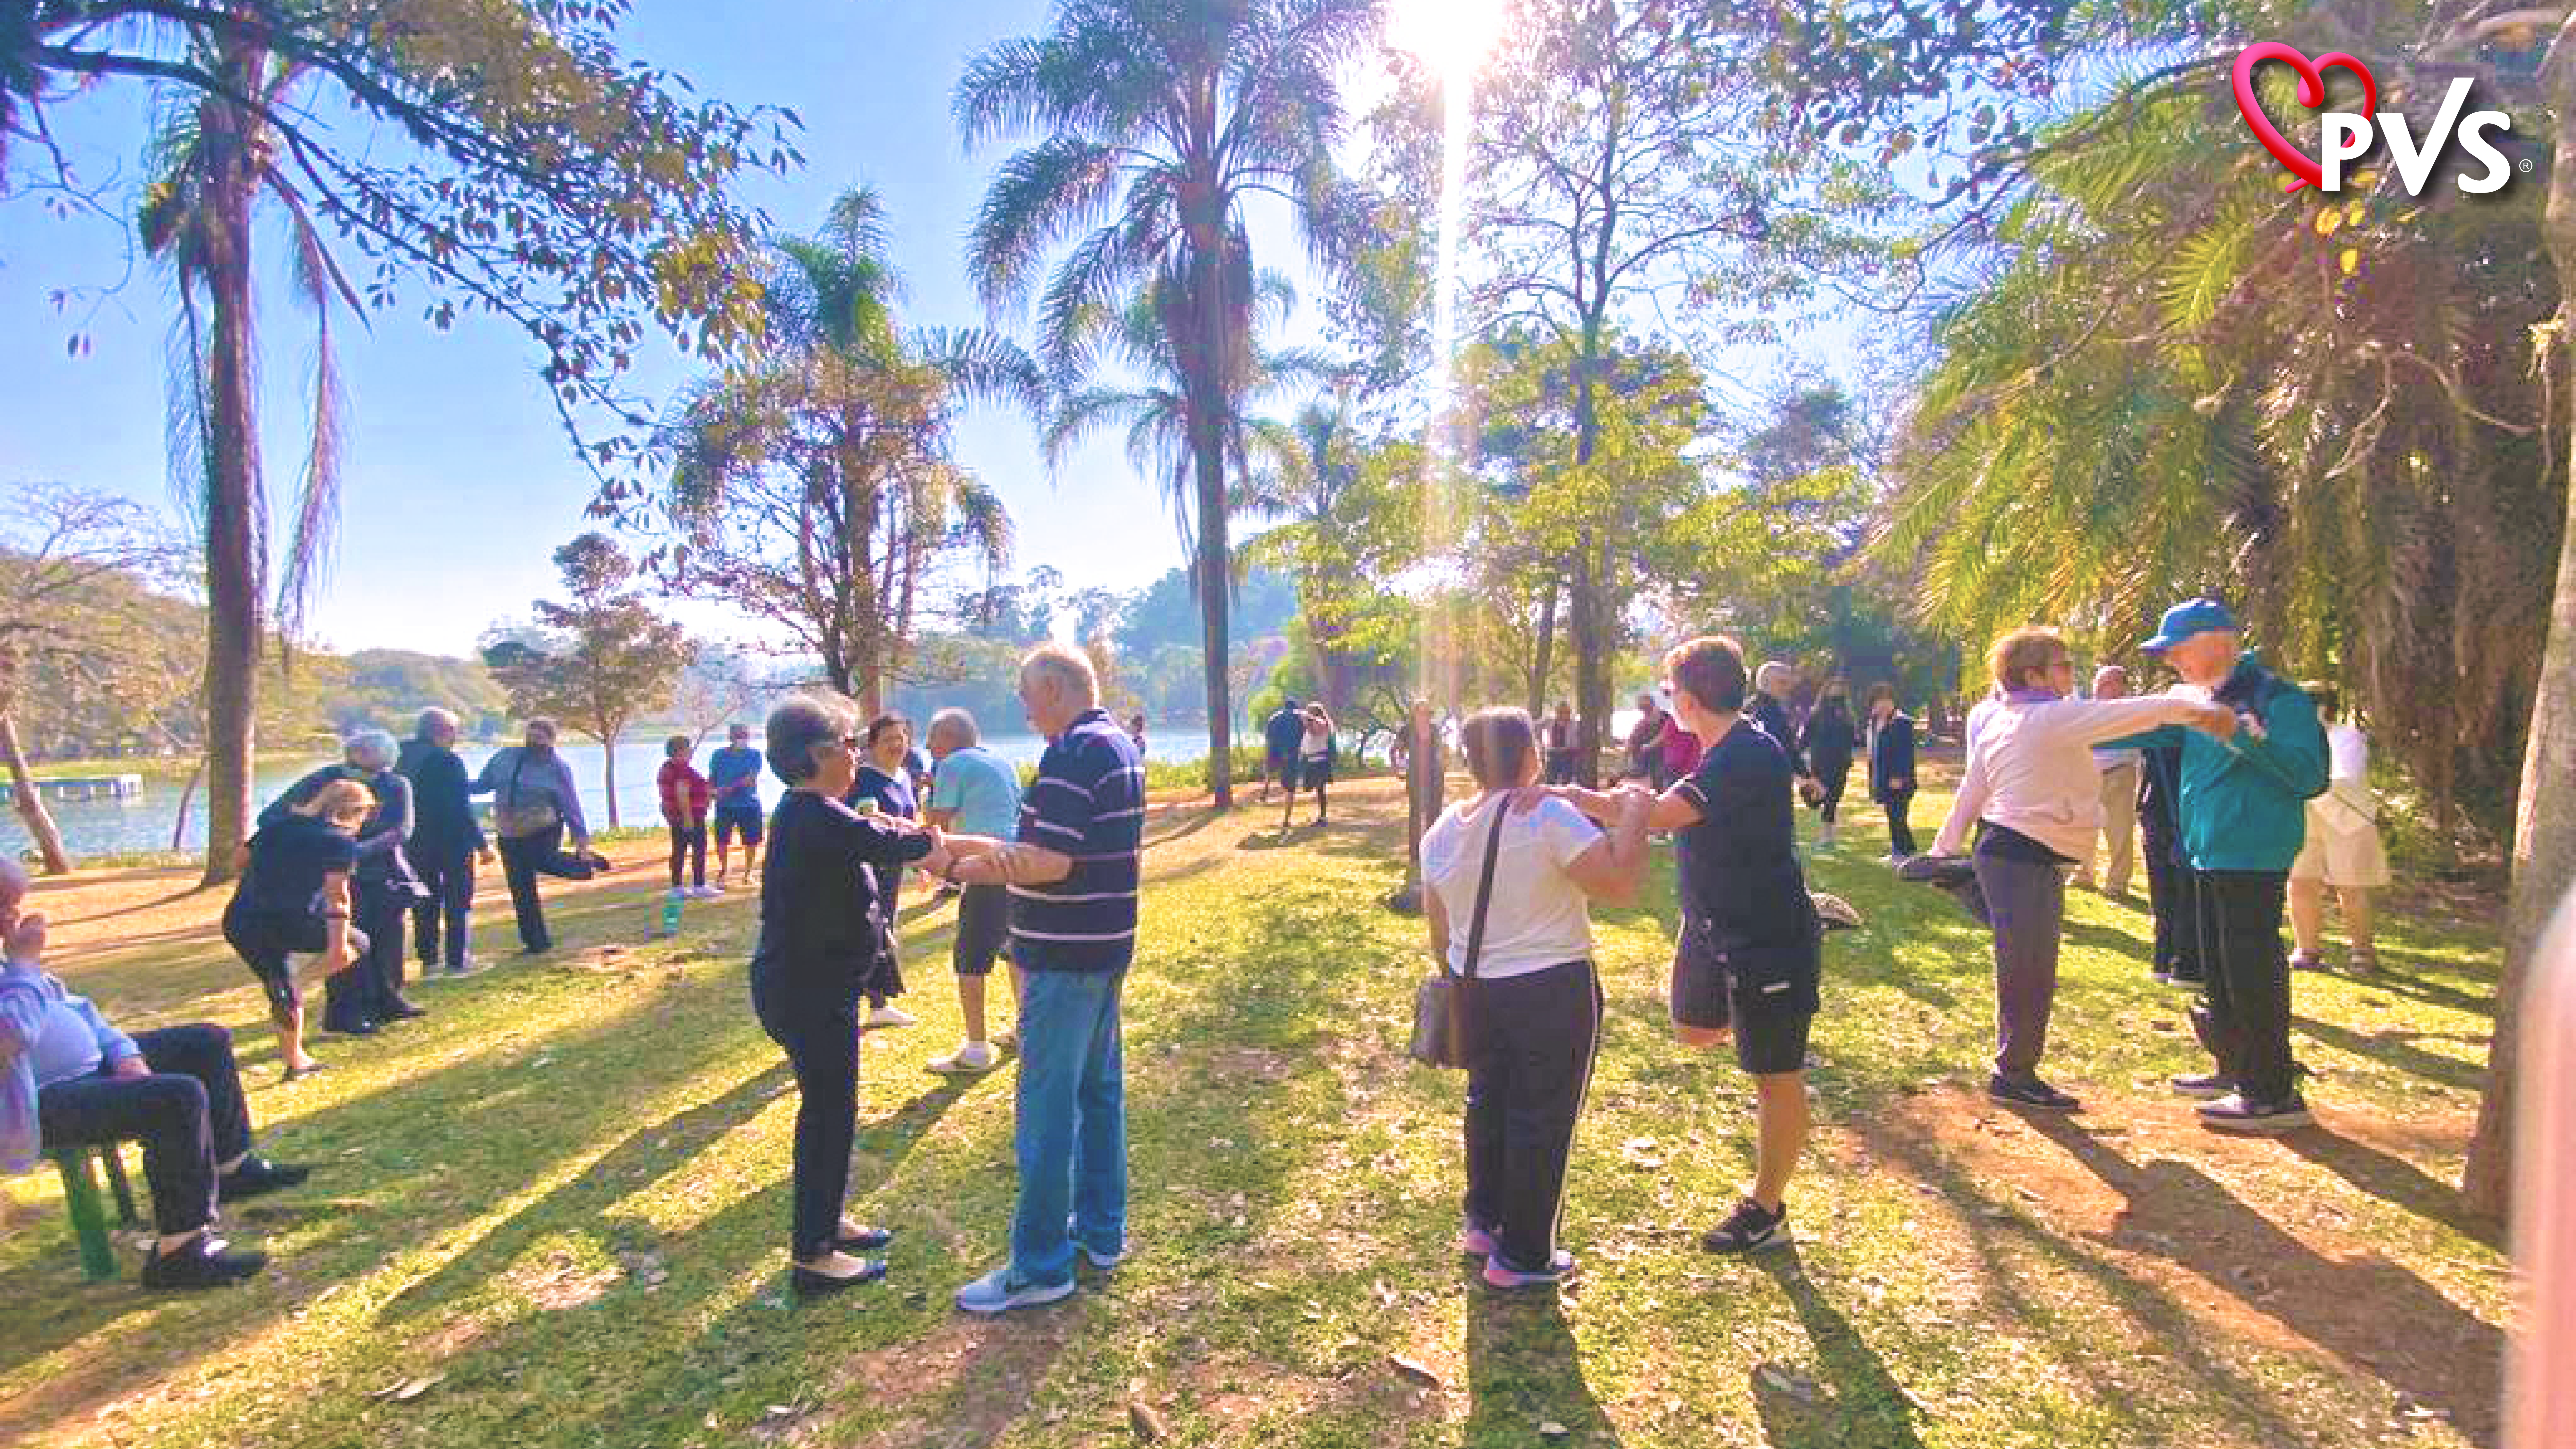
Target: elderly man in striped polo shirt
[{"x": 1073, "y": 879}]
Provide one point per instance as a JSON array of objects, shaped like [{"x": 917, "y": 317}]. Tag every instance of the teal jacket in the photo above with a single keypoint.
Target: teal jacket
[{"x": 2244, "y": 801}]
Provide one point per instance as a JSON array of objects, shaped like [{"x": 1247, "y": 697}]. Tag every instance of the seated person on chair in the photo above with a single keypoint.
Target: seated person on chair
[{"x": 68, "y": 1079}]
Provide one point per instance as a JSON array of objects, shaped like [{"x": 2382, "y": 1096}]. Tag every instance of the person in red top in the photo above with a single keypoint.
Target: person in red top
[
  {"x": 685, "y": 795},
  {"x": 1681, "y": 750}
]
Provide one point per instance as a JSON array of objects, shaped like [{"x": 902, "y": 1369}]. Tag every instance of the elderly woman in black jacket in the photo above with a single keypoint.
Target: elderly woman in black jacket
[
  {"x": 1891, "y": 768},
  {"x": 357, "y": 1001},
  {"x": 820, "y": 933}
]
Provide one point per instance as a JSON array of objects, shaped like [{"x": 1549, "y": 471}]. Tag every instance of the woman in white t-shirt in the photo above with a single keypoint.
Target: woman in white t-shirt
[
  {"x": 2343, "y": 848},
  {"x": 1535, "y": 1004}
]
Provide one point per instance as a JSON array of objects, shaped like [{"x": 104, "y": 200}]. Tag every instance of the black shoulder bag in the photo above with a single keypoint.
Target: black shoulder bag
[{"x": 1442, "y": 1015}]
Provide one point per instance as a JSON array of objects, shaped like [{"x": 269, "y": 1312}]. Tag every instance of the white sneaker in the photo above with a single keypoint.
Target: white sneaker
[
  {"x": 713, "y": 890},
  {"x": 1007, "y": 1039},
  {"x": 891, "y": 1015},
  {"x": 678, "y": 893},
  {"x": 704, "y": 893},
  {"x": 969, "y": 1060}
]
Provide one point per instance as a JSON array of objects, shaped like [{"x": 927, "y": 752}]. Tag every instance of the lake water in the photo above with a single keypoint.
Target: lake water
[{"x": 143, "y": 822}]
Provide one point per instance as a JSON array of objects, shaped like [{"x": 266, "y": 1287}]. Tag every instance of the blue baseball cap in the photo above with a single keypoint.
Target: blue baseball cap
[{"x": 2193, "y": 616}]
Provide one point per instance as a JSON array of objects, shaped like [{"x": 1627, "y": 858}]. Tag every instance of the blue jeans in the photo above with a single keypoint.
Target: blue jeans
[{"x": 1072, "y": 1128}]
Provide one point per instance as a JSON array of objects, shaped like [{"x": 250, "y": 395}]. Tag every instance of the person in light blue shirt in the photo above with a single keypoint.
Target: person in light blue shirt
[
  {"x": 974, "y": 792},
  {"x": 733, "y": 776},
  {"x": 68, "y": 1079}
]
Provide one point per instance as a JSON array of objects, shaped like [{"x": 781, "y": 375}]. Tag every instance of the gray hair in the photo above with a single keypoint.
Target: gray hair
[
  {"x": 14, "y": 879},
  {"x": 1064, "y": 670},
  {"x": 1770, "y": 671},
  {"x": 957, "y": 724},
  {"x": 433, "y": 720},
  {"x": 375, "y": 745},
  {"x": 799, "y": 724}
]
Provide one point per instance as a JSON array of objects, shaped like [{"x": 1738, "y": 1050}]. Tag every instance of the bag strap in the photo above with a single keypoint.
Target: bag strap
[{"x": 1485, "y": 885}]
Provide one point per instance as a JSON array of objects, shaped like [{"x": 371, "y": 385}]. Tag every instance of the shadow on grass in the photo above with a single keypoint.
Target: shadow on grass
[
  {"x": 2395, "y": 1181},
  {"x": 2367, "y": 1310},
  {"x": 1868, "y": 1406},
  {"x": 2397, "y": 1049},
  {"x": 1524, "y": 1370}
]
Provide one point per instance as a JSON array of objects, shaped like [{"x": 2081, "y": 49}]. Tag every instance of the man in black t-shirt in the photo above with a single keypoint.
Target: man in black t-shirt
[{"x": 1750, "y": 954}]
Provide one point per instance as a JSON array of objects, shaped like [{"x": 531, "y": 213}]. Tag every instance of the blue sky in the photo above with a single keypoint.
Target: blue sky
[{"x": 459, "y": 481}]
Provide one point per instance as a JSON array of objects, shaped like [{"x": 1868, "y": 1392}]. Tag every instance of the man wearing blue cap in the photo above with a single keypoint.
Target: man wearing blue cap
[{"x": 2243, "y": 818}]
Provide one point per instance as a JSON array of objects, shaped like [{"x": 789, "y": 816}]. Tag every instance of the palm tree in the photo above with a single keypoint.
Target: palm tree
[
  {"x": 214, "y": 161},
  {"x": 1171, "y": 114},
  {"x": 835, "y": 441}
]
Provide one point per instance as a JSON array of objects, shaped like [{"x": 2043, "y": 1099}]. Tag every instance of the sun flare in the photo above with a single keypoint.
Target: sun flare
[{"x": 1452, "y": 37}]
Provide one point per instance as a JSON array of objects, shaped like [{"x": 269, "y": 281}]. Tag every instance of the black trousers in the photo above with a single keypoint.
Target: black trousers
[
  {"x": 1900, "y": 833},
  {"x": 821, "y": 1039},
  {"x": 1530, "y": 1049},
  {"x": 378, "y": 908},
  {"x": 188, "y": 1114},
  {"x": 1835, "y": 777},
  {"x": 522, "y": 861},
  {"x": 2243, "y": 1015},
  {"x": 447, "y": 873},
  {"x": 2170, "y": 896},
  {"x": 688, "y": 847}
]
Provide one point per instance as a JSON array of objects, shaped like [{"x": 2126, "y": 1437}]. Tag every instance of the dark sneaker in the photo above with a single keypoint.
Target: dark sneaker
[
  {"x": 2186, "y": 980},
  {"x": 2208, "y": 1086},
  {"x": 204, "y": 1262},
  {"x": 1749, "y": 1228},
  {"x": 1500, "y": 1274},
  {"x": 1477, "y": 1241},
  {"x": 350, "y": 1026},
  {"x": 401, "y": 1010},
  {"x": 257, "y": 1175},
  {"x": 806, "y": 1283},
  {"x": 2307, "y": 961},
  {"x": 2236, "y": 1113},
  {"x": 2030, "y": 1091}
]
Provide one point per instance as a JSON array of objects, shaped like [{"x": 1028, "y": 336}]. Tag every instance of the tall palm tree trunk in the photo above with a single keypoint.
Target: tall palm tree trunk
[
  {"x": 1208, "y": 412},
  {"x": 233, "y": 562},
  {"x": 2544, "y": 837}
]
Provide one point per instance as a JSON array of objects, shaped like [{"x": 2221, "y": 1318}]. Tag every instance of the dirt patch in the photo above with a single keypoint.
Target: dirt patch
[
  {"x": 966, "y": 1383},
  {"x": 2234, "y": 1229}
]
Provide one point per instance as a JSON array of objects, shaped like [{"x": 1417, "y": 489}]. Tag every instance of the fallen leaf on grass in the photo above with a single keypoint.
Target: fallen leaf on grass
[
  {"x": 1148, "y": 1424},
  {"x": 1787, "y": 1381},
  {"x": 408, "y": 1390},
  {"x": 1551, "y": 1430},
  {"x": 1414, "y": 1371}
]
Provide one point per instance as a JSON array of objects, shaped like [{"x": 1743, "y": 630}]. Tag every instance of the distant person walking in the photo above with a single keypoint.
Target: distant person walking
[
  {"x": 446, "y": 841},
  {"x": 1281, "y": 736},
  {"x": 2343, "y": 848},
  {"x": 1646, "y": 742},
  {"x": 1769, "y": 711},
  {"x": 1073, "y": 874},
  {"x": 883, "y": 785},
  {"x": 289, "y": 915},
  {"x": 2032, "y": 798},
  {"x": 686, "y": 796},
  {"x": 1136, "y": 732},
  {"x": 1559, "y": 733},
  {"x": 974, "y": 792},
  {"x": 2244, "y": 820},
  {"x": 1828, "y": 739},
  {"x": 820, "y": 929},
  {"x": 1891, "y": 769},
  {"x": 384, "y": 887},
  {"x": 535, "y": 805},
  {"x": 733, "y": 778},
  {"x": 1316, "y": 751},
  {"x": 2118, "y": 770},
  {"x": 1506, "y": 897}
]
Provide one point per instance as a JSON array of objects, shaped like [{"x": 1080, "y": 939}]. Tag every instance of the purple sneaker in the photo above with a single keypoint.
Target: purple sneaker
[
  {"x": 1499, "y": 1274},
  {"x": 1475, "y": 1241}
]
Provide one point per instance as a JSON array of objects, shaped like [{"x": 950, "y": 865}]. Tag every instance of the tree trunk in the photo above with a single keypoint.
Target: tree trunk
[
  {"x": 31, "y": 805},
  {"x": 1543, "y": 656},
  {"x": 235, "y": 567},
  {"x": 187, "y": 795},
  {"x": 608, "y": 770},
  {"x": 1208, "y": 412},
  {"x": 1593, "y": 624},
  {"x": 2544, "y": 836}
]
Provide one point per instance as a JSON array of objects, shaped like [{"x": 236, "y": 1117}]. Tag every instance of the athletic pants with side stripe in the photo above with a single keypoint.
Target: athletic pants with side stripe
[{"x": 1531, "y": 1042}]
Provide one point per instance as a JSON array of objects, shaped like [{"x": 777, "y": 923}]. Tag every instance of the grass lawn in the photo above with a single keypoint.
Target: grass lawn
[{"x": 554, "y": 1212}]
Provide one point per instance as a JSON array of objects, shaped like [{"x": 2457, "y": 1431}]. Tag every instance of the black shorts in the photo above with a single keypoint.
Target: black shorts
[
  {"x": 264, "y": 940},
  {"x": 744, "y": 822},
  {"x": 1770, "y": 1018},
  {"x": 983, "y": 929}
]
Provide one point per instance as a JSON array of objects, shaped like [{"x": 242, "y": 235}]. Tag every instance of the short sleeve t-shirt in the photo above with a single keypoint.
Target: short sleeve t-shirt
[
  {"x": 1536, "y": 916},
  {"x": 288, "y": 863},
  {"x": 1088, "y": 802},
  {"x": 982, "y": 790},
  {"x": 1740, "y": 870},
  {"x": 731, "y": 767}
]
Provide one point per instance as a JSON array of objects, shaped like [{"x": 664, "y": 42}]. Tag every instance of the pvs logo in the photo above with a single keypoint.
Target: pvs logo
[{"x": 2348, "y": 136}]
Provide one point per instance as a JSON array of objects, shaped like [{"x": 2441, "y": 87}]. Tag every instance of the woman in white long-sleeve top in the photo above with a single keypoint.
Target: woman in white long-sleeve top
[{"x": 2033, "y": 797}]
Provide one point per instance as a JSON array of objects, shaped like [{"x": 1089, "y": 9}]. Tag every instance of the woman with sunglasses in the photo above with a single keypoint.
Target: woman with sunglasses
[
  {"x": 2033, "y": 797},
  {"x": 820, "y": 937}
]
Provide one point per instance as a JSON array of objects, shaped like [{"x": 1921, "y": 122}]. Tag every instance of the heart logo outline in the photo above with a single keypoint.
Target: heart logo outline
[{"x": 2312, "y": 94}]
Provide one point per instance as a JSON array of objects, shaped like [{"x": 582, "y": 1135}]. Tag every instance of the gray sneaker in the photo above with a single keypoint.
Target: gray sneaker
[
  {"x": 1001, "y": 1290},
  {"x": 2237, "y": 1113},
  {"x": 2208, "y": 1086}
]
